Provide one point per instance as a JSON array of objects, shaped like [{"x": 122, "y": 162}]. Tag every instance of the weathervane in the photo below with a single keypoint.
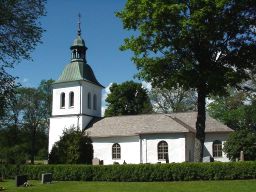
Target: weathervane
[{"x": 79, "y": 23}]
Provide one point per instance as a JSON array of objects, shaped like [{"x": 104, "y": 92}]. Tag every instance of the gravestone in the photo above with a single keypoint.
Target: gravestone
[
  {"x": 20, "y": 180},
  {"x": 166, "y": 159},
  {"x": 241, "y": 156},
  {"x": 95, "y": 161},
  {"x": 46, "y": 178},
  {"x": 208, "y": 159}
]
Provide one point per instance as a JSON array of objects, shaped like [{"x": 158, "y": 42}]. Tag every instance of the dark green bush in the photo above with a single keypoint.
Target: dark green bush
[
  {"x": 142, "y": 172},
  {"x": 72, "y": 148}
]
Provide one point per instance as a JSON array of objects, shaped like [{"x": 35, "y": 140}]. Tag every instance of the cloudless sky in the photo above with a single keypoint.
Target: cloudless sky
[{"x": 103, "y": 34}]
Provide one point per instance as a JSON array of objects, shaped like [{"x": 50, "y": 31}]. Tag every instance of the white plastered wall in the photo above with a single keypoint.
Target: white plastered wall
[
  {"x": 209, "y": 138},
  {"x": 56, "y": 94},
  {"x": 130, "y": 149},
  {"x": 79, "y": 88},
  {"x": 72, "y": 116},
  {"x": 139, "y": 149},
  {"x": 176, "y": 147},
  {"x": 93, "y": 89},
  {"x": 143, "y": 149}
]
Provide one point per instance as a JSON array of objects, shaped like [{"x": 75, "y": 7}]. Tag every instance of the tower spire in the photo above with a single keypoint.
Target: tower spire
[
  {"x": 78, "y": 49},
  {"x": 79, "y": 25}
]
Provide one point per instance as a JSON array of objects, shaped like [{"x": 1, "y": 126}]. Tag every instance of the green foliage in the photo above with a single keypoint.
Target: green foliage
[
  {"x": 232, "y": 110},
  {"x": 15, "y": 155},
  {"x": 33, "y": 115},
  {"x": 241, "y": 140},
  {"x": 204, "y": 45},
  {"x": 72, "y": 148},
  {"x": 13, "y": 150},
  {"x": 178, "y": 41},
  {"x": 142, "y": 172},
  {"x": 7, "y": 87},
  {"x": 20, "y": 32},
  {"x": 128, "y": 98},
  {"x": 241, "y": 117},
  {"x": 45, "y": 89},
  {"x": 25, "y": 124}
]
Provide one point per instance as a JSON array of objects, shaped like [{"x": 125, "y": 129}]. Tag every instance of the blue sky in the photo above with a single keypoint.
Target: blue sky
[{"x": 103, "y": 34}]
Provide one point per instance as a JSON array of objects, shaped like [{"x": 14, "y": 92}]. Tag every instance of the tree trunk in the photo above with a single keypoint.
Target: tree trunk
[
  {"x": 200, "y": 126},
  {"x": 33, "y": 143}
]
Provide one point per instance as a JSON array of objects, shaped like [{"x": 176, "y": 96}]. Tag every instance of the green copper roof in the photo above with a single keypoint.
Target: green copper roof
[
  {"x": 78, "y": 70},
  {"x": 78, "y": 42}
]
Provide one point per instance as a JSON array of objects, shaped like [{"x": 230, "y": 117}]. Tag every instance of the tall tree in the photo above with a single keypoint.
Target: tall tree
[
  {"x": 33, "y": 113},
  {"x": 173, "y": 99},
  {"x": 45, "y": 90},
  {"x": 25, "y": 123},
  {"x": 204, "y": 45},
  {"x": 20, "y": 31},
  {"x": 128, "y": 98}
]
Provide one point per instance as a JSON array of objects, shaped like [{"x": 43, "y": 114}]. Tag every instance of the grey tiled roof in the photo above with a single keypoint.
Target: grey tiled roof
[
  {"x": 78, "y": 70},
  {"x": 150, "y": 124},
  {"x": 211, "y": 124}
]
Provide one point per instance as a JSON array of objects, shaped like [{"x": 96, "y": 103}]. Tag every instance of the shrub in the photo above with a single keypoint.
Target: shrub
[
  {"x": 241, "y": 140},
  {"x": 72, "y": 148},
  {"x": 142, "y": 172}
]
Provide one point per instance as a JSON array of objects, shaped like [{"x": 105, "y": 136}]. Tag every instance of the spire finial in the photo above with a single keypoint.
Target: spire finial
[{"x": 79, "y": 23}]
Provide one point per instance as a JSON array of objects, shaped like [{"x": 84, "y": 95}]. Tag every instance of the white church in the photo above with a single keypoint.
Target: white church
[{"x": 150, "y": 138}]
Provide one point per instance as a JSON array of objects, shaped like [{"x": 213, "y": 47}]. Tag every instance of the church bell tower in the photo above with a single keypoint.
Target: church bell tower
[{"x": 76, "y": 94}]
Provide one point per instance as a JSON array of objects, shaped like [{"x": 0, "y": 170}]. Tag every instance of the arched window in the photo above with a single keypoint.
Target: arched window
[
  {"x": 71, "y": 99},
  {"x": 116, "y": 151},
  {"x": 62, "y": 100},
  {"x": 74, "y": 54},
  {"x": 94, "y": 102},
  {"x": 162, "y": 150},
  {"x": 89, "y": 100},
  {"x": 217, "y": 148}
]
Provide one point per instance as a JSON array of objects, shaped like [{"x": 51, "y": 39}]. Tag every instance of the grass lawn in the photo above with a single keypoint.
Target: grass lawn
[{"x": 77, "y": 186}]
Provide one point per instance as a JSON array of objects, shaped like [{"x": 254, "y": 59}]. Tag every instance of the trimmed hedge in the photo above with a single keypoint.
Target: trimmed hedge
[{"x": 141, "y": 172}]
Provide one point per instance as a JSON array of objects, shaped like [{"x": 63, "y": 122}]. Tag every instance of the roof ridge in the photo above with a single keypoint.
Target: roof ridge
[
  {"x": 188, "y": 127},
  {"x": 122, "y": 116},
  {"x": 182, "y": 112}
]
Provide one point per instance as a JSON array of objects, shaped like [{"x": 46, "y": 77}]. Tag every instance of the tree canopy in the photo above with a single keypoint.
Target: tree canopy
[
  {"x": 237, "y": 110},
  {"x": 204, "y": 45},
  {"x": 20, "y": 31},
  {"x": 241, "y": 140},
  {"x": 128, "y": 98},
  {"x": 24, "y": 127}
]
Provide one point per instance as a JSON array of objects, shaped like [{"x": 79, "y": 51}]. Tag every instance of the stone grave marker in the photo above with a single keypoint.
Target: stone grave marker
[
  {"x": 20, "y": 180},
  {"x": 46, "y": 178},
  {"x": 95, "y": 161}
]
